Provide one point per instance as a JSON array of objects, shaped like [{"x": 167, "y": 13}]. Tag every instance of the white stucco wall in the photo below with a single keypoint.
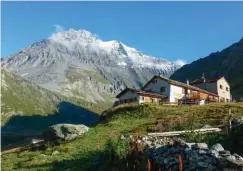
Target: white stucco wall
[
  {"x": 157, "y": 85},
  {"x": 142, "y": 99},
  {"x": 222, "y": 92},
  {"x": 176, "y": 93}
]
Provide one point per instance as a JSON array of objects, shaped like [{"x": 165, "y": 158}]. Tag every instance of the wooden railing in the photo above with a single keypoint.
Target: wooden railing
[{"x": 192, "y": 96}]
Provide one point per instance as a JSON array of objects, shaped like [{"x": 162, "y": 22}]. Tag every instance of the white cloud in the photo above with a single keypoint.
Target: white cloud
[
  {"x": 180, "y": 62},
  {"x": 58, "y": 28}
]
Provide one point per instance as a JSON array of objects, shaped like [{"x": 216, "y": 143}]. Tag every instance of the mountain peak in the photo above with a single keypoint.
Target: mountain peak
[
  {"x": 72, "y": 34},
  {"x": 78, "y": 64}
]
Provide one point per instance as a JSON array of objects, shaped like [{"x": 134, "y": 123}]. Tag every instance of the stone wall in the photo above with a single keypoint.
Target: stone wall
[{"x": 170, "y": 153}]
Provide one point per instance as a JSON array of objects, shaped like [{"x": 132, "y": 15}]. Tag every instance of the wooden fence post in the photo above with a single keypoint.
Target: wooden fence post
[{"x": 229, "y": 124}]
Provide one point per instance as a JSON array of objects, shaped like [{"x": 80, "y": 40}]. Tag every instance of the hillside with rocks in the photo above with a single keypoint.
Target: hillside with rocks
[
  {"x": 26, "y": 106},
  {"x": 119, "y": 141},
  {"x": 20, "y": 97},
  {"x": 228, "y": 63},
  {"x": 78, "y": 64}
]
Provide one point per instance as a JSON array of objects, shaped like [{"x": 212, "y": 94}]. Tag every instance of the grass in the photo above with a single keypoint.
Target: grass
[
  {"x": 20, "y": 97},
  {"x": 129, "y": 119}
]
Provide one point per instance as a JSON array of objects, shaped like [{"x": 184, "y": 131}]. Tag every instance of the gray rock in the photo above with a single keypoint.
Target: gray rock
[
  {"x": 195, "y": 156},
  {"x": 149, "y": 143},
  {"x": 211, "y": 167},
  {"x": 200, "y": 158},
  {"x": 144, "y": 139},
  {"x": 213, "y": 152},
  {"x": 232, "y": 169},
  {"x": 200, "y": 146},
  {"x": 168, "y": 160},
  {"x": 64, "y": 132},
  {"x": 206, "y": 126},
  {"x": 192, "y": 159},
  {"x": 190, "y": 144},
  {"x": 236, "y": 121},
  {"x": 230, "y": 158},
  {"x": 217, "y": 147},
  {"x": 202, "y": 164},
  {"x": 238, "y": 157},
  {"x": 122, "y": 137},
  {"x": 236, "y": 160},
  {"x": 224, "y": 153},
  {"x": 202, "y": 152},
  {"x": 223, "y": 162}
]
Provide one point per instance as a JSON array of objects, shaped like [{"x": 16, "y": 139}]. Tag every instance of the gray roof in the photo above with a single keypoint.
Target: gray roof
[{"x": 180, "y": 84}]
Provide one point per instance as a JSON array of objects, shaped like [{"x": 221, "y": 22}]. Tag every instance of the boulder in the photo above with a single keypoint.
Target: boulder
[
  {"x": 64, "y": 132},
  {"x": 236, "y": 121},
  {"x": 218, "y": 147},
  {"x": 206, "y": 126},
  {"x": 199, "y": 146}
]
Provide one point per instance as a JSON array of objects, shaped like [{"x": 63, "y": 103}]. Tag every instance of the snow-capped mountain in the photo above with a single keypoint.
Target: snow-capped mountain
[{"x": 77, "y": 63}]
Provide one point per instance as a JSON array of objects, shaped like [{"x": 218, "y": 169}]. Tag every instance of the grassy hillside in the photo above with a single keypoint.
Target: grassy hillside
[
  {"x": 28, "y": 108},
  {"x": 228, "y": 63},
  {"x": 23, "y": 98},
  {"x": 82, "y": 153}
]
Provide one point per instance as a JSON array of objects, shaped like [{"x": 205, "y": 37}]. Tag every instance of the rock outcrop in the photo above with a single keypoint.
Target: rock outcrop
[{"x": 64, "y": 132}]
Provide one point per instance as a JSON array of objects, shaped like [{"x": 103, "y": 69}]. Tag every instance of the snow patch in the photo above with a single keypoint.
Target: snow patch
[
  {"x": 180, "y": 62},
  {"x": 127, "y": 56},
  {"x": 122, "y": 63},
  {"x": 24, "y": 74}
]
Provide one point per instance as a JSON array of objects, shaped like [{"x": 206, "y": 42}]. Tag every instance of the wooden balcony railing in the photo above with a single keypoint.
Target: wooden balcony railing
[
  {"x": 192, "y": 96},
  {"x": 198, "y": 97}
]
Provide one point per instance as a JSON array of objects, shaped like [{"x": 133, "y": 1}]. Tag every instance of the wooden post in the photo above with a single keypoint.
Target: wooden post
[
  {"x": 230, "y": 117},
  {"x": 229, "y": 126}
]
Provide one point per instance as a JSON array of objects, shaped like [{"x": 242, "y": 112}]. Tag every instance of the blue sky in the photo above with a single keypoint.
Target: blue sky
[{"x": 171, "y": 30}]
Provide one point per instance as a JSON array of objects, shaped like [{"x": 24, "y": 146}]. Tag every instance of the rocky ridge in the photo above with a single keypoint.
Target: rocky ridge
[
  {"x": 227, "y": 63},
  {"x": 78, "y": 64}
]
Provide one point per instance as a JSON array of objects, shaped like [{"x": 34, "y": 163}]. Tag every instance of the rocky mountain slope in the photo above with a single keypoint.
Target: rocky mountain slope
[
  {"x": 78, "y": 64},
  {"x": 26, "y": 106},
  {"x": 20, "y": 97},
  {"x": 228, "y": 63}
]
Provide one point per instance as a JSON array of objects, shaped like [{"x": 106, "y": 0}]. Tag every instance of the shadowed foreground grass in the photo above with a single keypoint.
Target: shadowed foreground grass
[{"x": 82, "y": 153}]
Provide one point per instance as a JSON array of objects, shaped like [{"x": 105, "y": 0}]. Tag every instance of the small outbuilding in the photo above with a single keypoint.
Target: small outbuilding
[{"x": 130, "y": 95}]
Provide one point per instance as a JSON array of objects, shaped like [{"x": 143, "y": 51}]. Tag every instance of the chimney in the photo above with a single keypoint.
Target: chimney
[
  {"x": 203, "y": 77},
  {"x": 187, "y": 82}
]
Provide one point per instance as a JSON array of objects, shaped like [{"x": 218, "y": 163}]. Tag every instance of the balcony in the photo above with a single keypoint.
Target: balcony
[
  {"x": 192, "y": 96},
  {"x": 196, "y": 97}
]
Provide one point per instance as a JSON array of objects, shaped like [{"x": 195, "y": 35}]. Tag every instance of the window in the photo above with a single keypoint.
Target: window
[
  {"x": 162, "y": 89},
  {"x": 142, "y": 97},
  {"x": 221, "y": 87},
  {"x": 135, "y": 99},
  {"x": 227, "y": 100},
  {"x": 227, "y": 88},
  {"x": 150, "y": 89},
  {"x": 152, "y": 100},
  {"x": 154, "y": 81}
]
